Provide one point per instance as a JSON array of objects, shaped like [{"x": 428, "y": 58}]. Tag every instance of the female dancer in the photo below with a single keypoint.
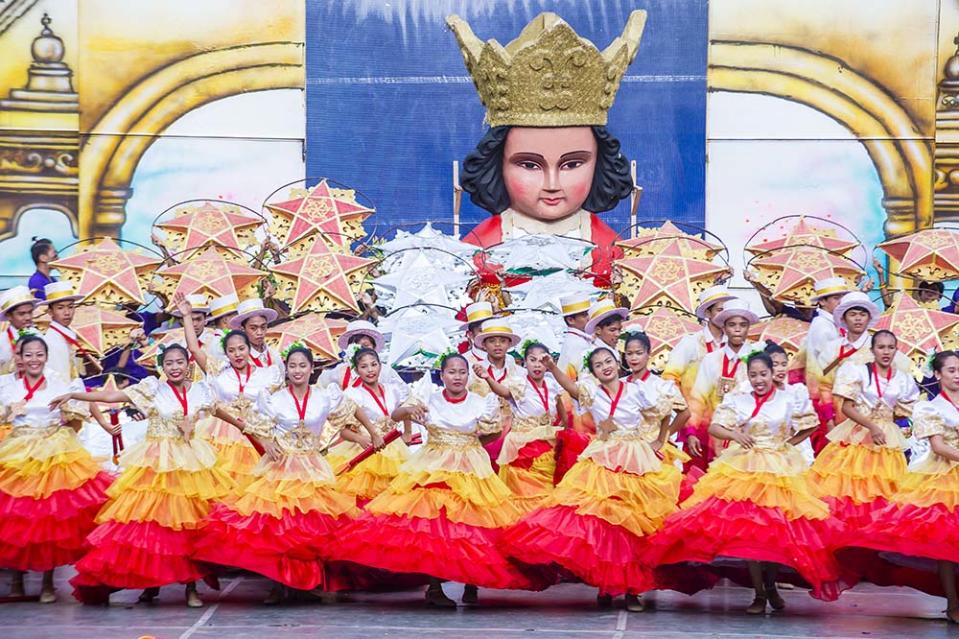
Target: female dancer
[
  {"x": 526, "y": 460},
  {"x": 753, "y": 502},
  {"x": 664, "y": 395},
  {"x": 922, "y": 520},
  {"x": 798, "y": 392},
  {"x": 282, "y": 523},
  {"x": 597, "y": 519},
  {"x": 159, "y": 502},
  {"x": 446, "y": 503},
  {"x": 50, "y": 486},
  {"x": 865, "y": 462},
  {"x": 371, "y": 476},
  {"x": 236, "y": 387}
]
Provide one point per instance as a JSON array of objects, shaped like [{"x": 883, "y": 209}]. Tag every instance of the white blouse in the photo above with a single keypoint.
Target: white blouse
[
  {"x": 771, "y": 427},
  {"x": 280, "y": 408},
  {"x": 36, "y": 412},
  {"x": 226, "y": 384},
  {"x": 267, "y": 358},
  {"x": 343, "y": 373},
  {"x": 528, "y": 402},
  {"x": 629, "y": 409},
  {"x": 937, "y": 416},
  {"x": 710, "y": 371},
  {"x": 474, "y": 414},
  {"x": 858, "y": 382},
  {"x": 393, "y": 395},
  {"x": 155, "y": 398}
]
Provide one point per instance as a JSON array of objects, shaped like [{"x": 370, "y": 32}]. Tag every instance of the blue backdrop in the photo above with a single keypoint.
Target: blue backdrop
[{"x": 390, "y": 104}]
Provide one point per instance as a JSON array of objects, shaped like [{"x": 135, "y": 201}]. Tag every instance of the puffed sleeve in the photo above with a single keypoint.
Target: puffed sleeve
[
  {"x": 342, "y": 408},
  {"x": 277, "y": 378},
  {"x": 517, "y": 387},
  {"x": 908, "y": 398},
  {"x": 143, "y": 395},
  {"x": 402, "y": 391},
  {"x": 207, "y": 397},
  {"x": 490, "y": 421},
  {"x": 260, "y": 422},
  {"x": 725, "y": 414},
  {"x": 586, "y": 389},
  {"x": 848, "y": 384},
  {"x": 73, "y": 409},
  {"x": 926, "y": 421},
  {"x": 678, "y": 402},
  {"x": 804, "y": 414}
]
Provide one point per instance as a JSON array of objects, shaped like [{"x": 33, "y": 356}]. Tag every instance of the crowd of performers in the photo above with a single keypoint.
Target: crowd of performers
[{"x": 533, "y": 469}]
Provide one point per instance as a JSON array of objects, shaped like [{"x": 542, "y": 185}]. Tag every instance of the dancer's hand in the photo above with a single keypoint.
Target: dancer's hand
[
  {"x": 693, "y": 446},
  {"x": 604, "y": 428},
  {"x": 55, "y": 403},
  {"x": 417, "y": 413},
  {"x": 376, "y": 439},
  {"x": 743, "y": 440},
  {"x": 480, "y": 372},
  {"x": 878, "y": 437}
]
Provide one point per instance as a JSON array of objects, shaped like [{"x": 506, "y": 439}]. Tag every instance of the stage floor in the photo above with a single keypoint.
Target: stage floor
[{"x": 565, "y": 611}]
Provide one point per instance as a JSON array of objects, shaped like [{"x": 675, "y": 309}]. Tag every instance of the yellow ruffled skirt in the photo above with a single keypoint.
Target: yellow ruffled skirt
[
  {"x": 235, "y": 453},
  {"x": 527, "y": 465},
  {"x": 371, "y": 476}
]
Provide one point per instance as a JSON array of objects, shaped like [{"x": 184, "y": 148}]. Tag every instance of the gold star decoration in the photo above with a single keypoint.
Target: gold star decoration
[
  {"x": 649, "y": 242},
  {"x": 322, "y": 279},
  {"x": 787, "y": 332},
  {"x": 106, "y": 274},
  {"x": 931, "y": 255},
  {"x": 102, "y": 329},
  {"x": 664, "y": 326},
  {"x": 333, "y": 213},
  {"x": 668, "y": 278},
  {"x": 791, "y": 273},
  {"x": 222, "y": 225},
  {"x": 919, "y": 330},
  {"x": 210, "y": 274},
  {"x": 313, "y": 329},
  {"x": 805, "y": 234}
]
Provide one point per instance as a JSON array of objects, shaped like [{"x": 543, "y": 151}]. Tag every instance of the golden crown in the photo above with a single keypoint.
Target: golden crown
[{"x": 548, "y": 76}]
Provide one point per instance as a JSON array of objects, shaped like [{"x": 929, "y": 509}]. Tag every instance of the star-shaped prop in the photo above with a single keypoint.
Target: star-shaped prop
[
  {"x": 106, "y": 274},
  {"x": 543, "y": 293},
  {"x": 664, "y": 326},
  {"x": 791, "y": 273},
  {"x": 322, "y": 279},
  {"x": 668, "y": 278},
  {"x": 313, "y": 329},
  {"x": 931, "y": 255},
  {"x": 219, "y": 224},
  {"x": 649, "y": 242},
  {"x": 419, "y": 280},
  {"x": 149, "y": 353},
  {"x": 101, "y": 329},
  {"x": 787, "y": 332},
  {"x": 805, "y": 234},
  {"x": 920, "y": 330},
  {"x": 334, "y": 213},
  {"x": 210, "y": 274}
]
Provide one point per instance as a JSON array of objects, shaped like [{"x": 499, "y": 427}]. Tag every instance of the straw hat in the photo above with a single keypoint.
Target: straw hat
[
  {"x": 14, "y": 297},
  {"x": 59, "y": 292},
  {"x": 856, "y": 299},
  {"x": 496, "y": 327},
  {"x": 224, "y": 305},
  {"x": 712, "y": 295},
  {"x": 251, "y": 308},
  {"x": 601, "y": 310},
  {"x": 361, "y": 327},
  {"x": 735, "y": 307}
]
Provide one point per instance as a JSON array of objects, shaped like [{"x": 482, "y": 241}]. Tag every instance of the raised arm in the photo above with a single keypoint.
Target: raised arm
[
  {"x": 101, "y": 396},
  {"x": 192, "y": 343},
  {"x": 497, "y": 388},
  {"x": 562, "y": 378}
]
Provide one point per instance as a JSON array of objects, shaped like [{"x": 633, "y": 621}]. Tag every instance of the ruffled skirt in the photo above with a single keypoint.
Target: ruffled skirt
[
  {"x": 442, "y": 516},
  {"x": 371, "y": 476},
  {"x": 147, "y": 529},
  {"x": 283, "y": 524},
  {"x": 598, "y": 519},
  {"x": 856, "y": 478},
  {"x": 527, "y": 465},
  {"x": 755, "y": 505},
  {"x": 234, "y": 451},
  {"x": 50, "y": 491}
]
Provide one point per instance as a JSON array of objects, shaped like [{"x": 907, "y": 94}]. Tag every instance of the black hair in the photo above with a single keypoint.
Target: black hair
[
  {"x": 938, "y": 287},
  {"x": 355, "y": 360},
  {"x": 567, "y": 318},
  {"x": 307, "y": 353},
  {"x": 356, "y": 337},
  {"x": 606, "y": 321},
  {"x": 171, "y": 349},
  {"x": 40, "y": 246},
  {"x": 760, "y": 356},
  {"x": 236, "y": 333},
  {"x": 772, "y": 348},
  {"x": 450, "y": 358},
  {"x": 940, "y": 359},
  {"x": 879, "y": 333},
  {"x": 634, "y": 336},
  {"x": 482, "y": 173},
  {"x": 534, "y": 346},
  {"x": 26, "y": 339},
  {"x": 475, "y": 327},
  {"x": 601, "y": 349}
]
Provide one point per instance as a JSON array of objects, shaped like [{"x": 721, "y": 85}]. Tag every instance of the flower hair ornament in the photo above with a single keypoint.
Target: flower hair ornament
[
  {"x": 759, "y": 347},
  {"x": 927, "y": 363},
  {"x": 589, "y": 354},
  {"x": 294, "y": 345},
  {"x": 629, "y": 331},
  {"x": 442, "y": 357},
  {"x": 162, "y": 348},
  {"x": 26, "y": 331},
  {"x": 349, "y": 355}
]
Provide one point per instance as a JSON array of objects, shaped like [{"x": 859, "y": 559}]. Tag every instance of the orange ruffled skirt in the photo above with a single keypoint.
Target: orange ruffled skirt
[
  {"x": 856, "y": 478},
  {"x": 755, "y": 505},
  {"x": 50, "y": 492},
  {"x": 442, "y": 516},
  {"x": 235, "y": 453},
  {"x": 371, "y": 476},
  {"x": 147, "y": 529},
  {"x": 598, "y": 519},
  {"x": 527, "y": 465},
  {"x": 283, "y": 524}
]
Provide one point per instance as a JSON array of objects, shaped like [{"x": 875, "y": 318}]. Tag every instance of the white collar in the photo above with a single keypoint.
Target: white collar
[
  {"x": 63, "y": 329},
  {"x": 859, "y": 343},
  {"x": 709, "y": 339},
  {"x": 827, "y": 316},
  {"x": 728, "y": 352},
  {"x": 578, "y": 333}
]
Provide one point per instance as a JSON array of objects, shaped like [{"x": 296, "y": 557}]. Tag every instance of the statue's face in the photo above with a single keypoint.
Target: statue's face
[{"x": 548, "y": 172}]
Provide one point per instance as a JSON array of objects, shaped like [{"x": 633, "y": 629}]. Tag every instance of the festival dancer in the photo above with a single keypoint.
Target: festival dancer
[
  {"x": 160, "y": 501},
  {"x": 475, "y": 314},
  {"x": 446, "y": 503},
  {"x": 798, "y": 392},
  {"x": 526, "y": 460},
  {"x": 215, "y": 359},
  {"x": 853, "y": 316},
  {"x": 64, "y": 348},
  {"x": 364, "y": 335},
  {"x": 16, "y": 309},
  {"x": 236, "y": 388},
  {"x": 753, "y": 503},
  {"x": 50, "y": 486},
  {"x": 606, "y": 322},
  {"x": 684, "y": 359},
  {"x": 253, "y": 318},
  {"x": 828, "y": 293},
  {"x": 862, "y": 467},
  {"x": 598, "y": 519},
  {"x": 719, "y": 373},
  {"x": 283, "y": 523},
  {"x": 922, "y": 520},
  {"x": 378, "y": 400},
  {"x": 576, "y": 341},
  {"x": 495, "y": 338}
]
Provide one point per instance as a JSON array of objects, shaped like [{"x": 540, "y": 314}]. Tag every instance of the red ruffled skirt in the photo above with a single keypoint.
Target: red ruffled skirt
[
  {"x": 50, "y": 492},
  {"x": 147, "y": 529},
  {"x": 755, "y": 505}
]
